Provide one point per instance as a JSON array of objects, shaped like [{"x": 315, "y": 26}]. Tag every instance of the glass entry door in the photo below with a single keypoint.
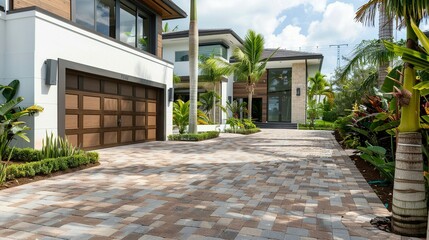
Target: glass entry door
[{"x": 279, "y": 106}]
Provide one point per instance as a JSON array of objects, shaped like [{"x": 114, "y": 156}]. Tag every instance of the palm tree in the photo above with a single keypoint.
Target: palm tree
[
  {"x": 193, "y": 68},
  {"x": 409, "y": 198},
  {"x": 318, "y": 86},
  {"x": 214, "y": 72},
  {"x": 385, "y": 32},
  {"x": 250, "y": 66}
]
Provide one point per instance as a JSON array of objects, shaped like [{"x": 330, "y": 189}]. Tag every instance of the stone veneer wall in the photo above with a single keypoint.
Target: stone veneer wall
[{"x": 299, "y": 102}]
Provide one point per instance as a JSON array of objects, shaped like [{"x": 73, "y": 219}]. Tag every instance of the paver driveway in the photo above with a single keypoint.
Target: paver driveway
[{"x": 277, "y": 184}]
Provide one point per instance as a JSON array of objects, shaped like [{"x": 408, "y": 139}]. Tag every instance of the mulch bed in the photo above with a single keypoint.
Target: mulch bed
[{"x": 25, "y": 180}]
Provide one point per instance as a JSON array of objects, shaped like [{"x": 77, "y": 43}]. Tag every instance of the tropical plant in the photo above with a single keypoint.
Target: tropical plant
[
  {"x": 208, "y": 101},
  {"x": 250, "y": 65},
  {"x": 376, "y": 156},
  {"x": 318, "y": 87},
  {"x": 4, "y": 166},
  {"x": 234, "y": 108},
  {"x": 181, "y": 115},
  {"x": 166, "y": 28},
  {"x": 193, "y": 68},
  {"x": 10, "y": 126},
  {"x": 54, "y": 147},
  {"x": 409, "y": 198},
  {"x": 212, "y": 70}
]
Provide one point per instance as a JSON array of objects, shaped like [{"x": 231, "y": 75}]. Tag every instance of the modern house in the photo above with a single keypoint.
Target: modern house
[
  {"x": 95, "y": 66},
  {"x": 281, "y": 94},
  {"x": 217, "y": 42}
]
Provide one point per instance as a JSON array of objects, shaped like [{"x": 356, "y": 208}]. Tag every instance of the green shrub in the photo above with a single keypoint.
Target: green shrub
[
  {"x": 243, "y": 131},
  {"x": 25, "y": 154},
  {"x": 49, "y": 165},
  {"x": 194, "y": 137},
  {"x": 248, "y": 124},
  {"x": 329, "y": 116}
]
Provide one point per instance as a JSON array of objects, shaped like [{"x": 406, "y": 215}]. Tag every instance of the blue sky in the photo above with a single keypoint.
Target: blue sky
[{"x": 306, "y": 25}]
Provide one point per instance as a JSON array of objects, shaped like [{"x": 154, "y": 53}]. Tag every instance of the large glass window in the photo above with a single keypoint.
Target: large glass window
[
  {"x": 2, "y": 4},
  {"x": 279, "y": 79},
  {"x": 217, "y": 50},
  {"x": 279, "y": 95},
  {"x": 84, "y": 13},
  {"x": 143, "y": 32},
  {"x": 127, "y": 29},
  {"x": 182, "y": 56},
  {"x": 106, "y": 17},
  {"x": 134, "y": 23}
]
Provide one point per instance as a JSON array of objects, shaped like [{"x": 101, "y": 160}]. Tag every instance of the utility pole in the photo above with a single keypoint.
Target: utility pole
[{"x": 338, "y": 52}]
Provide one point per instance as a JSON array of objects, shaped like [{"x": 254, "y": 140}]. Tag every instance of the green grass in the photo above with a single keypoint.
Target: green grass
[{"x": 318, "y": 125}]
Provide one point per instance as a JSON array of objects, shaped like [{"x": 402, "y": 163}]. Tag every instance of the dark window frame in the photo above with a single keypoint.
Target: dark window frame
[{"x": 139, "y": 9}]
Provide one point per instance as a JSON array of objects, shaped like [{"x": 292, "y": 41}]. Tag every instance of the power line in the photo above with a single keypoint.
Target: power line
[{"x": 338, "y": 52}]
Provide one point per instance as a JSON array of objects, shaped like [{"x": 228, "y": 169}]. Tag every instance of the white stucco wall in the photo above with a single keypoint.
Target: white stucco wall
[
  {"x": 32, "y": 37},
  {"x": 2, "y": 46},
  {"x": 169, "y": 50}
]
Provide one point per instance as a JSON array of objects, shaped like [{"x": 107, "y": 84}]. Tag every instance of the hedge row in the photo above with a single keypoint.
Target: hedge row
[
  {"x": 49, "y": 165},
  {"x": 25, "y": 154},
  {"x": 243, "y": 131},
  {"x": 193, "y": 137}
]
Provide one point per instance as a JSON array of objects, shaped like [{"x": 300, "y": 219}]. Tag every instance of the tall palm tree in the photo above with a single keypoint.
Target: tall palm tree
[
  {"x": 193, "y": 68},
  {"x": 385, "y": 32},
  {"x": 250, "y": 65},
  {"x": 318, "y": 86},
  {"x": 409, "y": 200},
  {"x": 214, "y": 72}
]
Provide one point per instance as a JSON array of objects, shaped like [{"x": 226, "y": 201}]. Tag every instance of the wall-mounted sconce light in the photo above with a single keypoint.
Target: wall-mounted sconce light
[
  {"x": 51, "y": 72},
  {"x": 298, "y": 91},
  {"x": 170, "y": 94}
]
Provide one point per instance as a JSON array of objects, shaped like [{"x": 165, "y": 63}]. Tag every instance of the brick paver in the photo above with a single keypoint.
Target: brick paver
[{"x": 277, "y": 184}]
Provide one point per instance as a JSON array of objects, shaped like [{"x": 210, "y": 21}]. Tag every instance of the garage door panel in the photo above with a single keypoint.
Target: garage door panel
[
  {"x": 151, "y": 134},
  {"x": 72, "y": 81},
  {"x": 91, "y": 103},
  {"x": 126, "y": 136},
  {"x": 151, "y": 107},
  {"x": 151, "y": 120},
  {"x": 140, "y": 135},
  {"x": 72, "y": 121},
  {"x": 140, "y": 121},
  {"x": 127, "y": 120},
  {"x": 110, "y": 87},
  {"x": 110, "y": 121},
  {"x": 91, "y": 140},
  {"x": 140, "y": 92},
  {"x": 91, "y": 121},
  {"x": 73, "y": 139},
  {"x": 110, "y": 137},
  {"x": 151, "y": 93},
  {"x": 140, "y": 107},
  {"x": 127, "y": 105},
  {"x": 111, "y": 104},
  {"x": 91, "y": 84},
  {"x": 126, "y": 90},
  {"x": 72, "y": 101}
]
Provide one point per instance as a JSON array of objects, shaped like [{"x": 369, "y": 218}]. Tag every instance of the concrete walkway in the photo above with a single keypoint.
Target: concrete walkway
[{"x": 277, "y": 184}]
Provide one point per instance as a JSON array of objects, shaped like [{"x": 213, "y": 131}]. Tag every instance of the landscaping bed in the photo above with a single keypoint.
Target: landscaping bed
[
  {"x": 243, "y": 131},
  {"x": 194, "y": 137}
]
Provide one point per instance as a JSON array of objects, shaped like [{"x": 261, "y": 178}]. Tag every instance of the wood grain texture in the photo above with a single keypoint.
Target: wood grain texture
[{"x": 61, "y": 8}]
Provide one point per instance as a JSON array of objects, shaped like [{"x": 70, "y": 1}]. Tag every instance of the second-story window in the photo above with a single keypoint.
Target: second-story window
[{"x": 124, "y": 20}]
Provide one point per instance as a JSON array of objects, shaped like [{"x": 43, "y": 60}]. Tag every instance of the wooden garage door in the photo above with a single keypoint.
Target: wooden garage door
[{"x": 102, "y": 112}]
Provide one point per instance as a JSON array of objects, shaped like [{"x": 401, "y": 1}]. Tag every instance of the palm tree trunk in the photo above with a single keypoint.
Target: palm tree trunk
[
  {"x": 250, "y": 88},
  {"x": 214, "y": 103},
  {"x": 409, "y": 196},
  {"x": 193, "y": 68},
  {"x": 409, "y": 210},
  {"x": 385, "y": 32}
]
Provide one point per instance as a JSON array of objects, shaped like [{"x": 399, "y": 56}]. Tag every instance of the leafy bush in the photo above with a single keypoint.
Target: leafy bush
[
  {"x": 49, "y": 165},
  {"x": 376, "y": 156},
  {"x": 329, "y": 116},
  {"x": 181, "y": 115},
  {"x": 248, "y": 124},
  {"x": 194, "y": 137},
  {"x": 53, "y": 147},
  {"x": 243, "y": 131},
  {"x": 25, "y": 154}
]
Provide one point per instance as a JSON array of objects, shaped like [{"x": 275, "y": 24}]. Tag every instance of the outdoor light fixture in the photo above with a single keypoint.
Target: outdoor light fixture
[
  {"x": 170, "y": 94},
  {"x": 298, "y": 91},
  {"x": 51, "y": 72}
]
